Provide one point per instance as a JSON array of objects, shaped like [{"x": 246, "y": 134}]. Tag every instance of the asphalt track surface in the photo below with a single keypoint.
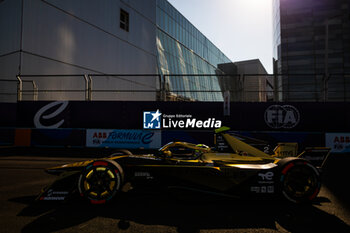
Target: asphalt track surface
[{"x": 22, "y": 177}]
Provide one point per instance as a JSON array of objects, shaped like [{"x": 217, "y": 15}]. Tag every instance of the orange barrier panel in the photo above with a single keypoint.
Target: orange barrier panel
[{"x": 22, "y": 137}]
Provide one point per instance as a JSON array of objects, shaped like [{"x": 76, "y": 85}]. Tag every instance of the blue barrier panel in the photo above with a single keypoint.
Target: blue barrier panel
[
  {"x": 123, "y": 138},
  {"x": 338, "y": 142}
]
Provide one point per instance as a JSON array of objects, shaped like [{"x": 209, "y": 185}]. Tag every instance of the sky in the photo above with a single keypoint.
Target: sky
[{"x": 241, "y": 29}]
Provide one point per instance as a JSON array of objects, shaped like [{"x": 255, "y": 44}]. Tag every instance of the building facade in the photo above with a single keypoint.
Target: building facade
[
  {"x": 49, "y": 37},
  {"x": 248, "y": 81},
  {"x": 312, "y": 49},
  {"x": 46, "y": 38},
  {"x": 183, "y": 49}
]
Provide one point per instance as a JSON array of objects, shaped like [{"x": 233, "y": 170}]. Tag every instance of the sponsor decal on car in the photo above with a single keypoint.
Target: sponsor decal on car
[
  {"x": 263, "y": 189},
  {"x": 54, "y": 195},
  {"x": 265, "y": 183},
  {"x": 268, "y": 176},
  {"x": 146, "y": 175}
]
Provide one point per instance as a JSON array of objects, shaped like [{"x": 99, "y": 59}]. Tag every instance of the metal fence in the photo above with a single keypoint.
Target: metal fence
[{"x": 172, "y": 87}]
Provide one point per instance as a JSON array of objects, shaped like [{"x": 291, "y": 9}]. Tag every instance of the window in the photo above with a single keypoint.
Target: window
[{"x": 124, "y": 20}]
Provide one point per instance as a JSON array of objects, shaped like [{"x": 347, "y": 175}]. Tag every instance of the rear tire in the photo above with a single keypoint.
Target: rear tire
[
  {"x": 100, "y": 181},
  {"x": 299, "y": 181}
]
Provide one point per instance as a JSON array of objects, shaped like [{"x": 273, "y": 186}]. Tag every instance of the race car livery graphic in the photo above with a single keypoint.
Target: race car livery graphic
[{"x": 242, "y": 170}]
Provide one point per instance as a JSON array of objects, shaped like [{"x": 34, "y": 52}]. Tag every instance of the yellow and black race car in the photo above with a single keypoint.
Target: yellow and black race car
[{"x": 243, "y": 171}]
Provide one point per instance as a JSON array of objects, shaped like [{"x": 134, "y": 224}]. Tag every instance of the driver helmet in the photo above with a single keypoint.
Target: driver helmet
[
  {"x": 167, "y": 153},
  {"x": 202, "y": 146}
]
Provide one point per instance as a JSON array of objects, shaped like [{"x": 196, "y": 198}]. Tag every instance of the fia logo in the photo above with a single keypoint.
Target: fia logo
[
  {"x": 151, "y": 120},
  {"x": 282, "y": 116}
]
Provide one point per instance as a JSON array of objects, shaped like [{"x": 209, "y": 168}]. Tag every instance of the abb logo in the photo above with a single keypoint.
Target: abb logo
[
  {"x": 103, "y": 135},
  {"x": 342, "y": 139}
]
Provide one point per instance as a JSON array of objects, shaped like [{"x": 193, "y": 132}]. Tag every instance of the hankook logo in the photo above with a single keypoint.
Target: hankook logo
[
  {"x": 40, "y": 115},
  {"x": 282, "y": 116}
]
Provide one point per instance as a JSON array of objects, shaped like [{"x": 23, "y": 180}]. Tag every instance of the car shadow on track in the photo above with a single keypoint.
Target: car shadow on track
[
  {"x": 335, "y": 173},
  {"x": 187, "y": 213}
]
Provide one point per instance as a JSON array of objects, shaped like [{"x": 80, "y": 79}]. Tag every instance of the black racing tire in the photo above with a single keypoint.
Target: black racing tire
[
  {"x": 299, "y": 180},
  {"x": 120, "y": 153},
  {"x": 100, "y": 181}
]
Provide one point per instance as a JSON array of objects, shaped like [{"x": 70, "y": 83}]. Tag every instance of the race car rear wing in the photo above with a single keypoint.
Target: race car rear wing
[{"x": 316, "y": 155}]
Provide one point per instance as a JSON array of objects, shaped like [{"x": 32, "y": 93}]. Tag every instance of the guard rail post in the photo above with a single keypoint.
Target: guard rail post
[{"x": 19, "y": 88}]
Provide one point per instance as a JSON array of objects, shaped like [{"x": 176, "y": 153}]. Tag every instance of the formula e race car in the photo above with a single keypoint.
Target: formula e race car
[{"x": 245, "y": 171}]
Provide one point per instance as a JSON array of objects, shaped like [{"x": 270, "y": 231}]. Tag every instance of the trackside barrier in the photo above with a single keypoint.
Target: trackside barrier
[{"x": 145, "y": 139}]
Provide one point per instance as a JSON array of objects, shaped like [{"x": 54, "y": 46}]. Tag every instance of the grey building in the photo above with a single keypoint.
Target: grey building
[
  {"x": 312, "y": 49},
  {"x": 78, "y": 37},
  {"x": 46, "y": 38},
  {"x": 248, "y": 81}
]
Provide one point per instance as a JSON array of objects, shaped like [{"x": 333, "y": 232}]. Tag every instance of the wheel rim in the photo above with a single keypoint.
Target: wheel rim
[
  {"x": 99, "y": 182},
  {"x": 300, "y": 182}
]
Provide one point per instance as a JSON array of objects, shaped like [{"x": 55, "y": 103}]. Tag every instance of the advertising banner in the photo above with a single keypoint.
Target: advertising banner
[
  {"x": 338, "y": 142},
  {"x": 123, "y": 138},
  {"x": 151, "y": 115}
]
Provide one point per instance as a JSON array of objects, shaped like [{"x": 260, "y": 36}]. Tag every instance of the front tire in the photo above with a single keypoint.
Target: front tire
[
  {"x": 100, "y": 181},
  {"x": 300, "y": 181}
]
